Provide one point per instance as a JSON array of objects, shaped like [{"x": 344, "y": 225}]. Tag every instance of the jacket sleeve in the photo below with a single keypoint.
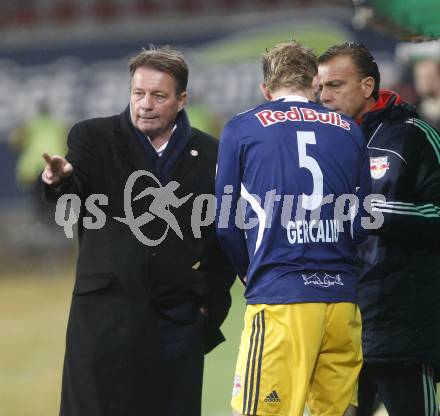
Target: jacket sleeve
[
  {"x": 80, "y": 155},
  {"x": 418, "y": 217},
  {"x": 227, "y": 192}
]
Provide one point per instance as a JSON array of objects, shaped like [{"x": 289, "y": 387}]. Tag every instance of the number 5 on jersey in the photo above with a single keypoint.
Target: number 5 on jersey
[{"x": 313, "y": 201}]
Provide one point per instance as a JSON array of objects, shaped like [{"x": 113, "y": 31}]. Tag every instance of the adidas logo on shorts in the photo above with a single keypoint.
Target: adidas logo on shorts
[{"x": 272, "y": 397}]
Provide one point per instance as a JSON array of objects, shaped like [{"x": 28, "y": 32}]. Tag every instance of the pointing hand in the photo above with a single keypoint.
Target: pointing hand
[{"x": 57, "y": 168}]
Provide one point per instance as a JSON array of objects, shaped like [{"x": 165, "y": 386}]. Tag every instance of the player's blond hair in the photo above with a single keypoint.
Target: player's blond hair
[{"x": 289, "y": 65}]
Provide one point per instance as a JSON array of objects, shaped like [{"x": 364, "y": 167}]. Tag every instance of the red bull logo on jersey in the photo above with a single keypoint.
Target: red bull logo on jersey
[
  {"x": 269, "y": 117},
  {"x": 379, "y": 166},
  {"x": 323, "y": 281}
]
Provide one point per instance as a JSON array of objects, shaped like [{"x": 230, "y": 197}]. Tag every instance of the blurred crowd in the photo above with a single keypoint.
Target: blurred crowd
[
  {"x": 419, "y": 82},
  {"x": 34, "y": 13}
]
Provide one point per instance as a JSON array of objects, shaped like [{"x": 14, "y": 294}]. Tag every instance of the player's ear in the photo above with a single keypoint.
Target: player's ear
[
  {"x": 265, "y": 91},
  {"x": 367, "y": 85}
]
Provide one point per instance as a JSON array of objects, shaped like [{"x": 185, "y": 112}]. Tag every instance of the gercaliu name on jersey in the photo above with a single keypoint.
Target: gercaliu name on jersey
[
  {"x": 315, "y": 231},
  {"x": 269, "y": 117}
]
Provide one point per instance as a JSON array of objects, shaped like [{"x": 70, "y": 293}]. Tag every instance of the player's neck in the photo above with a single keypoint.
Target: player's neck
[{"x": 283, "y": 92}]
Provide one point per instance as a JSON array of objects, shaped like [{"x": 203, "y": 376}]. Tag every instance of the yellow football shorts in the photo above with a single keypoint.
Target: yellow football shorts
[{"x": 295, "y": 354}]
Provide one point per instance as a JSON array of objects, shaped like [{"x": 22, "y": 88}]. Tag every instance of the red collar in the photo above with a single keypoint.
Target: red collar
[{"x": 384, "y": 98}]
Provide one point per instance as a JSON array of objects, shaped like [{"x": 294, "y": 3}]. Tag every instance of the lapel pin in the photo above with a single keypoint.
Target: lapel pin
[{"x": 194, "y": 152}]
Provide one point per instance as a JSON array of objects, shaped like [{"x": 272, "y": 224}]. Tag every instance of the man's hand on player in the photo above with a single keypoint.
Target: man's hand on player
[{"x": 57, "y": 168}]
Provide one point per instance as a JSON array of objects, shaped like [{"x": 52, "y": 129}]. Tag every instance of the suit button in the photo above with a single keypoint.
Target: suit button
[{"x": 153, "y": 253}]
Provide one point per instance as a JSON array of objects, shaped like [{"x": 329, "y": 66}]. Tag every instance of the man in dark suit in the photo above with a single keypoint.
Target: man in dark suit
[{"x": 150, "y": 294}]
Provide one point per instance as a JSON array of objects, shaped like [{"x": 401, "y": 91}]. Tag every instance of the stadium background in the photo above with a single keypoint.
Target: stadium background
[{"x": 73, "y": 54}]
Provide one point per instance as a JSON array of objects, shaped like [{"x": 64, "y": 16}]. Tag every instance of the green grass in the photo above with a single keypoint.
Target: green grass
[{"x": 33, "y": 319}]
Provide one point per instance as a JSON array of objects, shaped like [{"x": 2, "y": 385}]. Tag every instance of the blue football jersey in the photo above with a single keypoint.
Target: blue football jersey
[{"x": 288, "y": 177}]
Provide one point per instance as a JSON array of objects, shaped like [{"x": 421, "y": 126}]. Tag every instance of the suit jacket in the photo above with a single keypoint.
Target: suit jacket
[{"x": 113, "y": 348}]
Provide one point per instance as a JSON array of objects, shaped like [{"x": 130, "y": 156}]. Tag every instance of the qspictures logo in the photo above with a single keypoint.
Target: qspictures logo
[
  {"x": 163, "y": 198},
  {"x": 205, "y": 207}
]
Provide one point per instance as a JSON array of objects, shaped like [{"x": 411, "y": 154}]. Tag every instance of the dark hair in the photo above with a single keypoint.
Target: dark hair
[
  {"x": 361, "y": 58},
  {"x": 163, "y": 59},
  {"x": 290, "y": 65}
]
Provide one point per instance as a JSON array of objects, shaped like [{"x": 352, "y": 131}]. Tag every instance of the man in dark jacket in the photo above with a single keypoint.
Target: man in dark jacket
[
  {"x": 152, "y": 286},
  {"x": 399, "y": 285}
]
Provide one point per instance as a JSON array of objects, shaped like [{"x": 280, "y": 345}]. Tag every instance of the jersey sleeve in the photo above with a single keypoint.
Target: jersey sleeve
[{"x": 227, "y": 190}]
